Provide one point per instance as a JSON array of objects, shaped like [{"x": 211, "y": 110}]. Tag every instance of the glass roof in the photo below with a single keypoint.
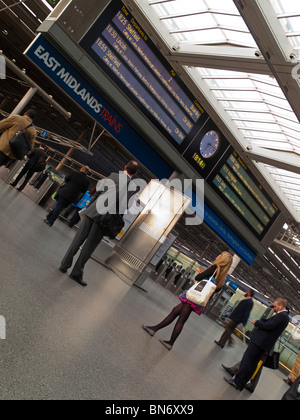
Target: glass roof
[
  {"x": 204, "y": 22},
  {"x": 288, "y": 12},
  {"x": 254, "y": 102},
  {"x": 258, "y": 106}
]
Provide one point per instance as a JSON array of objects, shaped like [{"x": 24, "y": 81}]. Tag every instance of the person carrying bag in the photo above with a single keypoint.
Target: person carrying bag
[
  {"x": 94, "y": 225},
  {"x": 219, "y": 269},
  {"x": 15, "y": 129}
]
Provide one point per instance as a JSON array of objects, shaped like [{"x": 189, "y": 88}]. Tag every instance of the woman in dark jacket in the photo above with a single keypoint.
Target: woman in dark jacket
[{"x": 239, "y": 316}]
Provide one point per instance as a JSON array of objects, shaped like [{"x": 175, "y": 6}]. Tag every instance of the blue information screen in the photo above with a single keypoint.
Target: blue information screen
[
  {"x": 235, "y": 183},
  {"x": 121, "y": 47}
]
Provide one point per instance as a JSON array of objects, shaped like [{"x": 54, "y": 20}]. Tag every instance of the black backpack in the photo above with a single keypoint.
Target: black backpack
[{"x": 20, "y": 144}]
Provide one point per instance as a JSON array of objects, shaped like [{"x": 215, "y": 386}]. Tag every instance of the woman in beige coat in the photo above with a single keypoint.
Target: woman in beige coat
[{"x": 11, "y": 126}]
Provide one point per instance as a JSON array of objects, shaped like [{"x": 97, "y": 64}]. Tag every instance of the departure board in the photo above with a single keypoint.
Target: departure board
[
  {"x": 122, "y": 48},
  {"x": 235, "y": 183}
]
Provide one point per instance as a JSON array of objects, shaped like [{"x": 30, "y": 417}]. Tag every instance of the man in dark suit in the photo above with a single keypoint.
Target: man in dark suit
[
  {"x": 75, "y": 184},
  {"x": 263, "y": 340},
  {"x": 112, "y": 198},
  {"x": 239, "y": 316},
  {"x": 36, "y": 163}
]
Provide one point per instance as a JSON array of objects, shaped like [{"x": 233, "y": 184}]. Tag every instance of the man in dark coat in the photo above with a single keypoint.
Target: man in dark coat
[
  {"x": 239, "y": 316},
  {"x": 75, "y": 184},
  {"x": 263, "y": 340},
  {"x": 36, "y": 163}
]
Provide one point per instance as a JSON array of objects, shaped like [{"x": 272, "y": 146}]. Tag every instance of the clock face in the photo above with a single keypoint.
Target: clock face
[{"x": 210, "y": 144}]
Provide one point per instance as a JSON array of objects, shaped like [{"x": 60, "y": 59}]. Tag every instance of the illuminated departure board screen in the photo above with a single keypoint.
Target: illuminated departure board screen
[
  {"x": 240, "y": 189},
  {"x": 120, "y": 46}
]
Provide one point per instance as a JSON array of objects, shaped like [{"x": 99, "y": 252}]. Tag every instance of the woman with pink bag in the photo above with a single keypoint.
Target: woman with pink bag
[{"x": 220, "y": 269}]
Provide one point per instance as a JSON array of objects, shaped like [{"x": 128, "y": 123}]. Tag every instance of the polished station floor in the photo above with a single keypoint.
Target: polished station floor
[{"x": 68, "y": 342}]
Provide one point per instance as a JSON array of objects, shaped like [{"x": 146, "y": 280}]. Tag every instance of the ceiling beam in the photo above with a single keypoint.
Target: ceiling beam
[
  {"x": 263, "y": 23},
  {"x": 248, "y": 60},
  {"x": 283, "y": 160}
]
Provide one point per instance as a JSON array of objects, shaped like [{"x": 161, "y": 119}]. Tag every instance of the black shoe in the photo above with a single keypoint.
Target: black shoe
[
  {"x": 232, "y": 383},
  {"x": 47, "y": 222},
  {"x": 78, "y": 280},
  {"x": 218, "y": 344},
  {"x": 63, "y": 270},
  {"x": 228, "y": 370},
  {"x": 249, "y": 389},
  {"x": 288, "y": 381},
  {"x": 13, "y": 185}
]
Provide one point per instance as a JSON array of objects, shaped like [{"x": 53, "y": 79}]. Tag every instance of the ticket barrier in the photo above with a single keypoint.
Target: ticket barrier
[
  {"x": 9, "y": 172},
  {"x": 43, "y": 185},
  {"x": 187, "y": 283},
  {"x": 167, "y": 275},
  {"x": 156, "y": 274},
  {"x": 49, "y": 187},
  {"x": 177, "y": 280}
]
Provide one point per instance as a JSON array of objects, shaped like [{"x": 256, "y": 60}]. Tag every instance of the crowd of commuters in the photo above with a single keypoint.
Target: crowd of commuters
[{"x": 94, "y": 227}]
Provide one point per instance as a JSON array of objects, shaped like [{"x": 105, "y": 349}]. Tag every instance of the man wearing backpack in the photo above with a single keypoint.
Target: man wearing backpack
[
  {"x": 36, "y": 163},
  {"x": 10, "y": 127}
]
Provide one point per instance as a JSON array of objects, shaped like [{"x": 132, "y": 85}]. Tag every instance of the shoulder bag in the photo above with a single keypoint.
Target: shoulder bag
[
  {"x": 20, "y": 144},
  {"x": 273, "y": 359},
  {"x": 201, "y": 296}
]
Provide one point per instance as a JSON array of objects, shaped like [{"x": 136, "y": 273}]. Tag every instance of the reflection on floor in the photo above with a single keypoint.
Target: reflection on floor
[{"x": 67, "y": 342}]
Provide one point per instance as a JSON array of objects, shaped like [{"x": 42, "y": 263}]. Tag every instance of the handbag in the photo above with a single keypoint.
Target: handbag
[
  {"x": 272, "y": 361},
  {"x": 20, "y": 144},
  {"x": 201, "y": 296}
]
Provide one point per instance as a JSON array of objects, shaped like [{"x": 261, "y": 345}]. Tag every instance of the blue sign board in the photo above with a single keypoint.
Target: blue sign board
[
  {"x": 48, "y": 59},
  {"x": 228, "y": 236},
  {"x": 44, "y": 134}
]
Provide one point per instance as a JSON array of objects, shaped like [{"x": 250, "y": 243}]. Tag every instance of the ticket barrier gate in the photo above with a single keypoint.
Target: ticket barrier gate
[
  {"x": 40, "y": 187},
  {"x": 44, "y": 192},
  {"x": 10, "y": 172},
  {"x": 167, "y": 275},
  {"x": 177, "y": 280},
  {"x": 155, "y": 275},
  {"x": 186, "y": 284}
]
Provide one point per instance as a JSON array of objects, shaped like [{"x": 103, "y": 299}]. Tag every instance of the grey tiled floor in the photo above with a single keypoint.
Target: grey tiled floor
[{"x": 67, "y": 342}]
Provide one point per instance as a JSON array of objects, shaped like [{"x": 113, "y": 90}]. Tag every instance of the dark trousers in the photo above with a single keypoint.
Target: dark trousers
[
  {"x": 3, "y": 159},
  {"x": 60, "y": 206},
  {"x": 75, "y": 218},
  {"x": 249, "y": 365},
  {"x": 231, "y": 326},
  {"x": 251, "y": 386},
  {"x": 90, "y": 234},
  {"x": 26, "y": 171}
]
